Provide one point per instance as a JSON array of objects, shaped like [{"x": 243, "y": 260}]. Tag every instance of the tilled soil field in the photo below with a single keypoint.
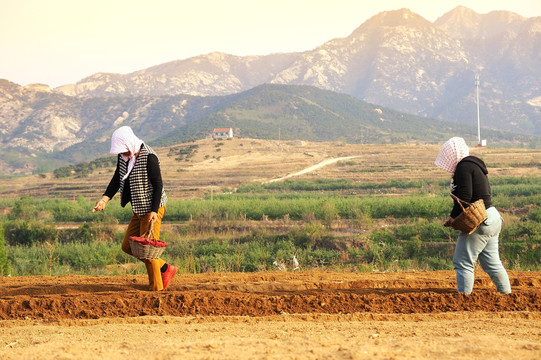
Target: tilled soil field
[{"x": 309, "y": 314}]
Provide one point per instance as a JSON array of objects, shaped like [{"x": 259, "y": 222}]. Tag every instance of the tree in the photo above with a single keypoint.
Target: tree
[
  {"x": 4, "y": 261},
  {"x": 24, "y": 209}
]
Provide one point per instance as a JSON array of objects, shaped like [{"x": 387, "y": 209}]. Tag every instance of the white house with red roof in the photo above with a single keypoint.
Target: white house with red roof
[{"x": 220, "y": 133}]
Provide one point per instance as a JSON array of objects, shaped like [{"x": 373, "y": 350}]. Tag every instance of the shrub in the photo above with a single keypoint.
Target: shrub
[
  {"x": 83, "y": 257},
  {"x": 24, "y": 209},
  {"x": 27, "y": 260},
  {"x": 88, "y": 232},
  {"x": 27, "y": 233},
  {"x": 328, "y": 213},
  {"x": 4, "y": 261}
]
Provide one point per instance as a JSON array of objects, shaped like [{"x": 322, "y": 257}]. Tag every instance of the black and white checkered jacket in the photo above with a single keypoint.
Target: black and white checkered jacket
[{"x": 140, "y": 186}]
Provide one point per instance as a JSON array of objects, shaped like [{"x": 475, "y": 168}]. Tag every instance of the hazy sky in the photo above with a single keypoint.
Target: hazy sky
[{"x": 57, "y": 42}]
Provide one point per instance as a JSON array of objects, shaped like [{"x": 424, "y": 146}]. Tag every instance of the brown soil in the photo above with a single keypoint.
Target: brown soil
[{"x": 301, "y": 315}]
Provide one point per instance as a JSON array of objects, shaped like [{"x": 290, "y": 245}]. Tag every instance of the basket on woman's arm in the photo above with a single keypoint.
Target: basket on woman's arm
[
  {"x": 471, "y": 217},
  {"x": 147, "y": 247}
]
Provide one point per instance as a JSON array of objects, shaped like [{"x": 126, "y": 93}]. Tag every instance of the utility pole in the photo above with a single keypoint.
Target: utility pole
[{"x": 478, "y": 118}]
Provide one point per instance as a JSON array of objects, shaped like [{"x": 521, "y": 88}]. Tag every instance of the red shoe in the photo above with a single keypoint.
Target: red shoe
[{"x": 168, "y": 275}]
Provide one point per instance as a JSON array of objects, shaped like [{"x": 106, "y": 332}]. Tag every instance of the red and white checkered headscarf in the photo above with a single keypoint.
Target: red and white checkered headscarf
[
  {"x": 123, "y": 140},
  {"x": 452, "y": 151}
]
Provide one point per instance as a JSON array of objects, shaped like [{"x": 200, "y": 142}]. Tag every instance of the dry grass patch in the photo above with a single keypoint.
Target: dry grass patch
[{"x": 218, "y": 165}]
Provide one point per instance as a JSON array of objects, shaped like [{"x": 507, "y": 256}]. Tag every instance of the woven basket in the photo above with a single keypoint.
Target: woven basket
[
  {"x": 146, "y": 247},
  {"x": 471, "y": 217}
]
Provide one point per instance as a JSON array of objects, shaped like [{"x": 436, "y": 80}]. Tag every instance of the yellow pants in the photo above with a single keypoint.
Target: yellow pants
[{"x": 139, "y": 226}]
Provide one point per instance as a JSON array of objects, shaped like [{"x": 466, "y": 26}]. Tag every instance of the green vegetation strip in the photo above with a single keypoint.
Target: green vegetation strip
[{"x": 381, "y": 233}]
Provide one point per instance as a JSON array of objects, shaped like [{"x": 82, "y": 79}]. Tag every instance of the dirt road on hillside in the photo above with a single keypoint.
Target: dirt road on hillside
[
  {"x": 313, "y": 168},
  {"x": 270, "y": 315}
]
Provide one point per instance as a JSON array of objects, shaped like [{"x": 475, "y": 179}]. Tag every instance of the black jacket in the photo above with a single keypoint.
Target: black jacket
[{"x": 470, "y": 183}]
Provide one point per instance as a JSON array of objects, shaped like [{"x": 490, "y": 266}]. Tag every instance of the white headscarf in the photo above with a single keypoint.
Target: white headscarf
[
  {"x": 123, "y": 140},
  {"x": 451, "y": 153}
]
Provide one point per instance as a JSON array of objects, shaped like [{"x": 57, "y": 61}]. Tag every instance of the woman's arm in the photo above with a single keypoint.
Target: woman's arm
[
  {"x": 111, "y": 190},
  {"x": 463, "y": 183},
  {"x": 155, "y": 177}
]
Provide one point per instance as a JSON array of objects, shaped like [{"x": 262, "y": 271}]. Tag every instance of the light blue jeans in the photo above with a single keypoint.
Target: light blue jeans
[{"x": 482, "y": 244}]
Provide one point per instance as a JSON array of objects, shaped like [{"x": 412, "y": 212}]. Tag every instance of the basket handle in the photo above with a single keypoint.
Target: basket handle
[
  {"x": 460, "y": 201},
  {"x": 150, "y": 231}
]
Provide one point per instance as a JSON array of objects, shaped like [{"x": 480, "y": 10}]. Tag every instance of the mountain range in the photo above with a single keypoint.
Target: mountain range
[{"x": 395, "y": 60}]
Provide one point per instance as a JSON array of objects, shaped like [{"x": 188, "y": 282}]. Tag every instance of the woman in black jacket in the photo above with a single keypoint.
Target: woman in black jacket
[{"x": 470, "y": 183}]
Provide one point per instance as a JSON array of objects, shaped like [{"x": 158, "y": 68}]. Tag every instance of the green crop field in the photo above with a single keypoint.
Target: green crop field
[{"x": 380, "y": 210}]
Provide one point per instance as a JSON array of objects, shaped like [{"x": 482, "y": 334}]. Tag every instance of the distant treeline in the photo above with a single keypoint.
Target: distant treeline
[{"x": 84, "y": 169}]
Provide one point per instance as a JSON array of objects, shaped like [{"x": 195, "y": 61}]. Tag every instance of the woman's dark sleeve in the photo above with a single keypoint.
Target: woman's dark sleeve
[
  {"x": 463, "y": 188},
  {"x": 155, "y": 177},
  {"x": 114, "y": 184}
]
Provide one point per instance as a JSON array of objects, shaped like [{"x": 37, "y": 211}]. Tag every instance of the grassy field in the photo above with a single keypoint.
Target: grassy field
[{"x": 379, "y": 209}]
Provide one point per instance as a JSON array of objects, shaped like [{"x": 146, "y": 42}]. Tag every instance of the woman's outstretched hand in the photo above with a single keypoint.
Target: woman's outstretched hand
[{"x": 101, "y": 204}]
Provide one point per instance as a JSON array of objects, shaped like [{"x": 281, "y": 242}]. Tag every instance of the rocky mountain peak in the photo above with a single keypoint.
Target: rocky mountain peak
[
  {"x": 464, "y": 23},
  {"x": 38, "y": 88},
  {"x": 395, "y": 18}
]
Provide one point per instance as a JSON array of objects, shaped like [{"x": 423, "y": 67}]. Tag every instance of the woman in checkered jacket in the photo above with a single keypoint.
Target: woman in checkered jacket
[
  {"x": 138, "y": 178},
  {"x": 470, "y": 183}
]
